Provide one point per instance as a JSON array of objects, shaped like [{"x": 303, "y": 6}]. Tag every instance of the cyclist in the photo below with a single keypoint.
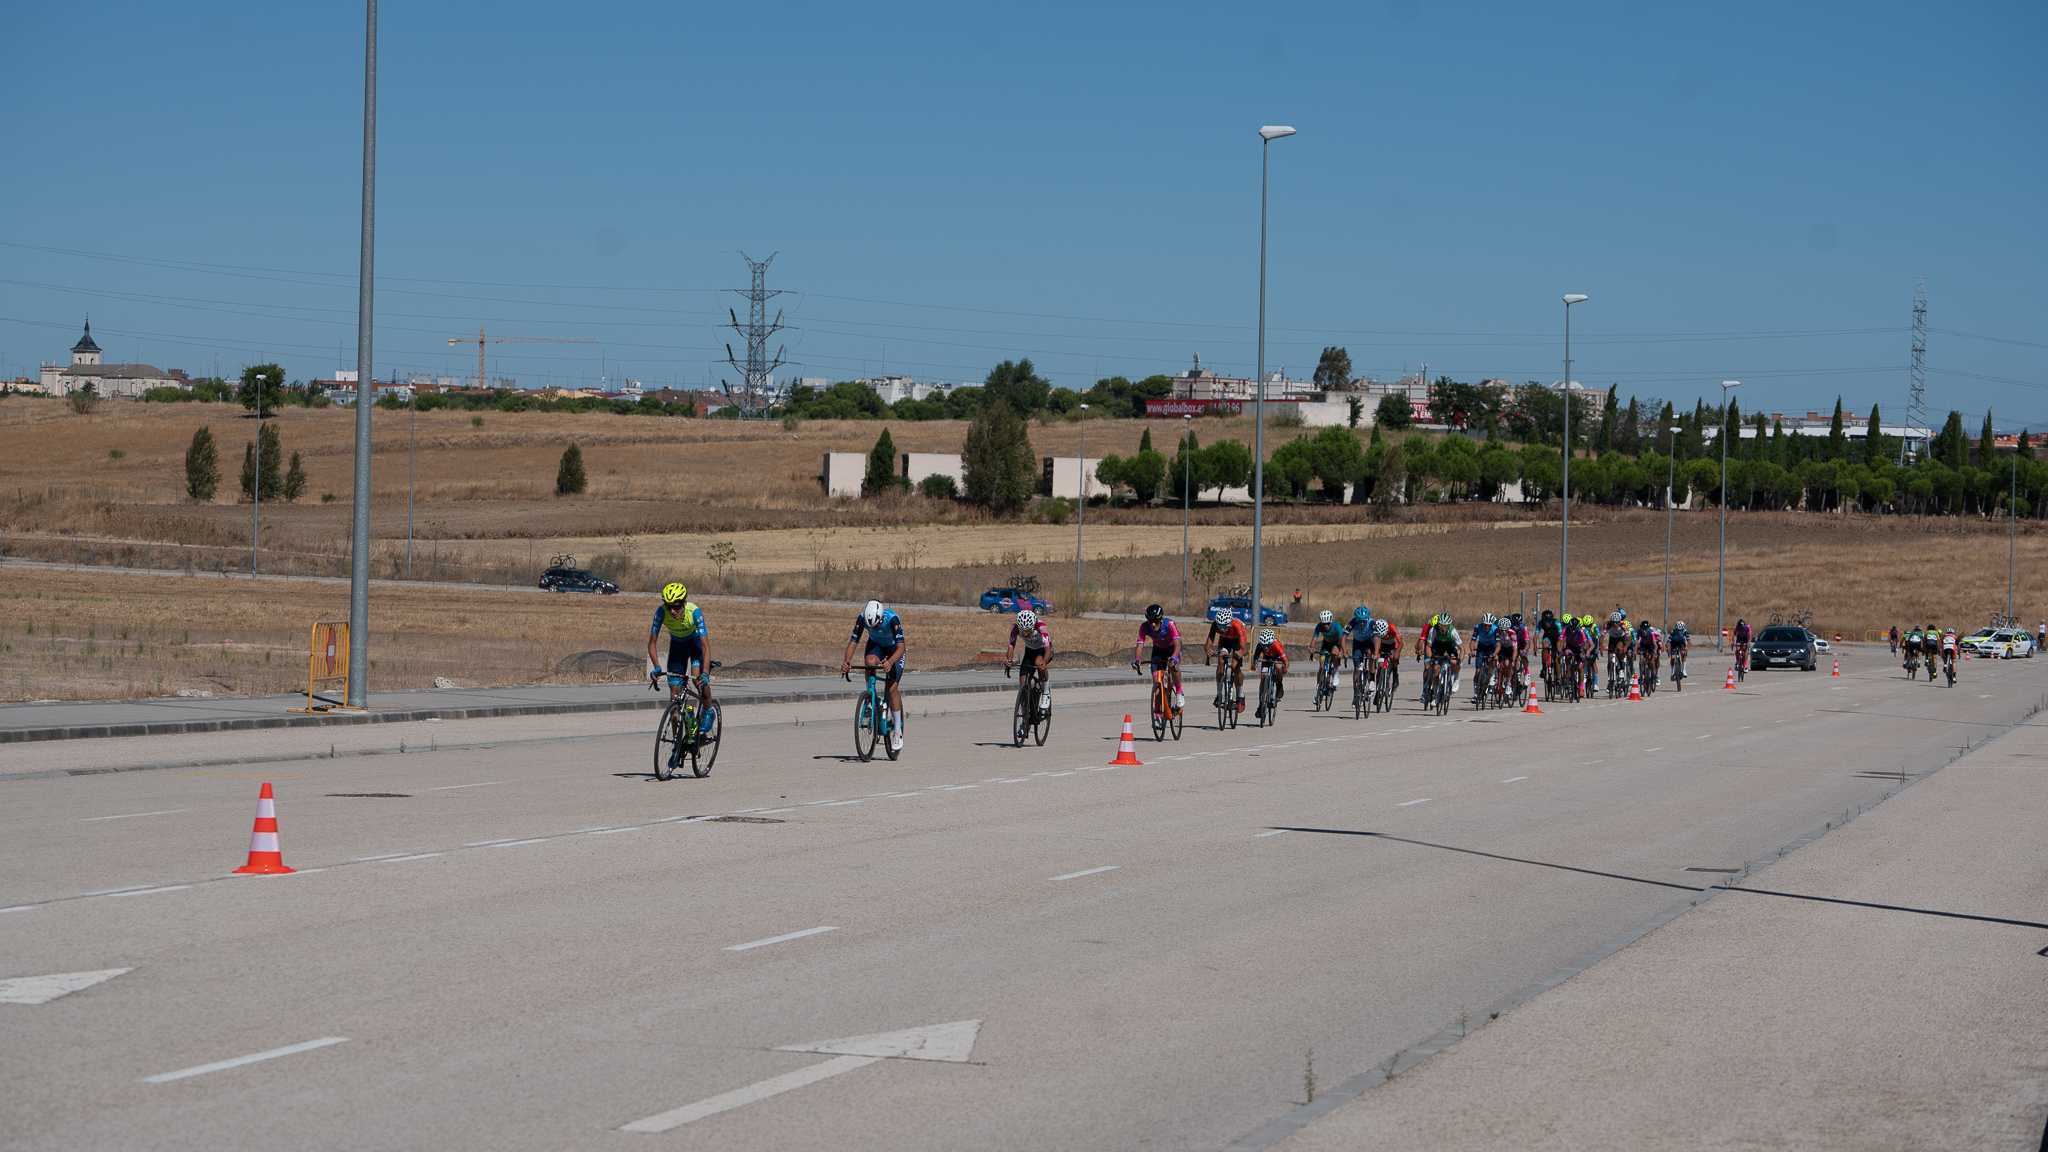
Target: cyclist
[
  {"x": 1948, "y": 651},
  {"x": 1486, "y": 641},
  {"x": 1911, "y": 646},
  {"x": 1037, "y": 640},
  {"x": 1742, "y": 643},
  {"x": 1620, "y": 641},
  {"x": 1327, "y": 642},
  {"x": 1550, "y": 630},
  {"x": 1895, "y": 639},
  {"x": 1384, "y": 641},
  {"x": 1648, "y": 641},
  {"x": 1591, "y": 660},
  {"x": 1577, "y": 645},
  {"x": 1229, "y": 636},
  {"x": 1441, "y": 642},
  {"x": 886, "y": 648},
  {"x": 689, "y": 641},
  {"x": 1270, "y": 650},
  {"x": 1510, "y": 657},
  {"x": 1681, "y": 640},
  {"x": 1930, "y": 648},
  {"x": 1520, "y": 630},
  {"x": 1164, "y": 636}
]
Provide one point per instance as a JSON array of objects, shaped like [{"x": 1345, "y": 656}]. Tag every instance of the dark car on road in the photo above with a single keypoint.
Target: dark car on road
[
  {"x": 1241, "y": 607},
  {"x": 564, "y": 579},
  {"x": 1784, "y": 646},
  {"x": 1013, "y": 600}
]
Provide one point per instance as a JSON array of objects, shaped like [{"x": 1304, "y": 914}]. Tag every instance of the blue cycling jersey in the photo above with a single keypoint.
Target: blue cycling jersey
[
  {"x": 883, "y": 638},
  {"x": 1486, "y": 637}
]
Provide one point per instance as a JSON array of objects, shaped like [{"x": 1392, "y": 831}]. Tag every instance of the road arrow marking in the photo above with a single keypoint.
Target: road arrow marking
[
  {"x": 952, "y": 1043},
  {"x": 43, "y": 989}
]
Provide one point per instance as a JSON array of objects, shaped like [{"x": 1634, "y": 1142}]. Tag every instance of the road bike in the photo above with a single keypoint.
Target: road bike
[
  {"x": 872, "y": 723},
  {"x": 1326, "y": 681},
  {"x": 1574, "y": 676},
  {"x": 1165, "y": 717},
  {"x": 1948, "y": 667},
  {"x": 1550, "y": 677},
  {"x": 1363, "y": 690},
  {"x": 680, "y": 739},
  {"x": 1383, "y": 684},
  {"x": 1678, "y": 670},
  {"x": 1482, "y": 682},
  {"x": 1436, "y": 685},
  {"x": 1226, "y": 691},
  {"x": 1032, "y": 718},
  {"x": 1269, "y": 694},
  {"x": 1741, "y": 662}
]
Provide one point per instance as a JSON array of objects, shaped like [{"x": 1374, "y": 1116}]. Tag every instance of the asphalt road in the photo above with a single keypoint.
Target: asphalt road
[{"x": 531, "y": 944}]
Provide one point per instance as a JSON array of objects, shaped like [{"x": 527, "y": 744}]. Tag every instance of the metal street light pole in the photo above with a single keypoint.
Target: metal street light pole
[
  {"x": 1670, "y": 484},
  {"x": 412, "y": 468},
  {"x": 1081, "y": 508},
  {"x": 1187, "y": 476},
  {"x": 1267, "y": 135},
  {"x": 359, "y": 548},
  {"x": 256, "y": 480},
  {"x": 1721, "y": 563},
  {"x": 1564, "y": 538},
  {"x": 2011, "y": 532}
]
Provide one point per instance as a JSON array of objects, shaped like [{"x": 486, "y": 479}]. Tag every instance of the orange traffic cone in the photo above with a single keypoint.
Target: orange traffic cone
[
  {"x": 265, "y": 858},
  {"x": 1635, "y": 688},
  {"x": 1838, "y": 667},
  {"x": 1729, "y": 684},
  {"x": 1531, "y": 708},
  {"x": 1126, "y": 746}
]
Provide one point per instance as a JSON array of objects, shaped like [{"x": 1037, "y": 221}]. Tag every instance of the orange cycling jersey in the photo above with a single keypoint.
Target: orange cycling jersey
[{"x": 1232, "y": 633}]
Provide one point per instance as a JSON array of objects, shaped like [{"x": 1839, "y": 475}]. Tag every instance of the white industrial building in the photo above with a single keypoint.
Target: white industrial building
[{"x": 86, "y": 369}]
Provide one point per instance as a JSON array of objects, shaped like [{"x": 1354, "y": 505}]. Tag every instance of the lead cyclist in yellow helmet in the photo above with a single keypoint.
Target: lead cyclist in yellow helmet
[{"x": 689, "y": 641}]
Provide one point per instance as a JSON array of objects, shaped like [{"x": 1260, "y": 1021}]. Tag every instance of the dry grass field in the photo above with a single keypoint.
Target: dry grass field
[{"x": 107, "y": 489}]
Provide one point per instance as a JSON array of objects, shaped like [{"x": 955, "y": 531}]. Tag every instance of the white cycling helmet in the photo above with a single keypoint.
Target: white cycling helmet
[
  {"x": 1027, "y": 619},
  {"x": 1678, "y": 626},
  {"x": 1325, "y": 616},
  {"x": 1266, "y": 636},
  {"x": 1220, "y": 615},
  {"x": 1488, "y": 620},
  {"x": 1616, "y": 616},
  {"x": 871, "y": 615}
]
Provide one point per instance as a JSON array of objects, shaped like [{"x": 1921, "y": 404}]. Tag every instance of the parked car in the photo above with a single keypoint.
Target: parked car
[
  {"x": 561, "y": 579},
  {"x": 1241, "y": 607},
  {"x": 1013, "y": 600},
  {"x": 1784, "y": 646},
  {"x": 2000, "y": 643},
  {"x": 1821, "y": 643}
]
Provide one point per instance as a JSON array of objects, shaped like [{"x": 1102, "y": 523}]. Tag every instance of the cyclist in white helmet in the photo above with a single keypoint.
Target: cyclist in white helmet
[
  {"x": 886, "y": 648},
  {"x": 1037, "y": 641}
]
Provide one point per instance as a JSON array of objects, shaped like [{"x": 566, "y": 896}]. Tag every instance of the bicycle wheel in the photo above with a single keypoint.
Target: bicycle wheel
[
  {"x": 1020, "y": 717},
  {"x": 1162, "y": 707},
  {"x": 667, "y": 736},
  {"x": 1174, "y": 722},
  {"x": 1041, "y": 724},
  {"x": 1383, "y": 693},
  {"x": 866, "y": 728},
  {"x": 706, "y": 752},
  {"x": 883, "y": 720}
]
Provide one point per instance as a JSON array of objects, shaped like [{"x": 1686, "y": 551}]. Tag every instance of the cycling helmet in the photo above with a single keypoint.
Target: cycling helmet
[
  {"x": 1549, "y": 615},
  {"x": 1361, "y": 613},
  {"x": 674, "y": 592},
  {"x": 1445, "y": 620},
  {"x": 1266, "y": 636},
  {"x": 1679, "y": 626},
  {"x": 1379, "y": 627},
  {"x": 871, "y": 615},
  {"x": 1220, "y": 615},
  {"x": 1586, "y": 620},
  {"x": 1488, "y": 620},
  {"x": 1616, "y": 616},
  {"x": 1516, "y": 617},
  {"x": 1325, "y": 616},
  {"x": 1027, "y": 619},
  {"x": 1154, "y": 613}
]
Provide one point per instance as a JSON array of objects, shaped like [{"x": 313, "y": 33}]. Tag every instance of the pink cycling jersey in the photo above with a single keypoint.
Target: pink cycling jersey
[
  {"x": 1036, "y": 637},
  {"x": 1163, "y": 635}
]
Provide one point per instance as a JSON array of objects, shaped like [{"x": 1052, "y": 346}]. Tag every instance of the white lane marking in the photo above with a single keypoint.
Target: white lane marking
[
  {"x": 1745, "y": 728},
  {"x": 1514, "y": 779},
  {"x": 698, "y": 819},
  {"x": 17, "y": 908},
  {"x": 1412, "y": 803},
  {"x": 1010, "y": 780},
  {"x": 1268, "y": 832},
  {"x": 739, "y": 1097},
  {"x": 403, "y": 859},
  {"x": 786, "y": 936},
  {"x": 900, "y": 795},
  {"x": 1049, "y": 775},
  {"x": 1658, "y": 748},
  {"x": 237, "y": 1062},
  {"x": 1704, "y": 736},
  {"x": 838, "y": 803},
  {"x": 293, "y": 872},
  {"x": 488, "y": 843},
  {"x": 1594, "y": 763},
  {"x": 1088, "y": 872},
  {"x": 116, "y": 891},
  {"x": 1983, "y": 695},
  {"x": 957, "y": 787},
  {"x": 133, "y": 815},
  {"x": 149, "y": 891},
  {"x": 43, "y": 989},
  {"x": 458, "y": 787},
  {"x": 517, "y": 843},
  {"x": 609, "y": 831},
  {"x": 772, "y": 811}
]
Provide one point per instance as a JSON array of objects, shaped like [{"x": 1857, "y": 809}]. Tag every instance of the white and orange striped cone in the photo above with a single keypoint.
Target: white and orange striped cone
[
  {"x": 1635, "y": 687},
  {"x": 1532, "y": 708},
  {"x": 1127, "y": 747},
  {"x": 265, "y": 856},
  {"x": 1729, "y": 683},
  {"x": 1838, "y": 667}
]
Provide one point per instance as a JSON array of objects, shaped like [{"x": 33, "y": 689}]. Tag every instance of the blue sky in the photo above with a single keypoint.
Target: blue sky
[{"x": 1745, "y": 190}]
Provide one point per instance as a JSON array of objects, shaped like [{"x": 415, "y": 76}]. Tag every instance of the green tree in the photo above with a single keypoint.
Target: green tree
[
  {"x": 1778, "y": 449},
  {"x": 1335, "y": 458},
  {"x": 1333, "y": 369},
  {"x": 1873, "y": 439},
  {"x": 1291, "y": 469},
  {"x": 1225, "y": 464},
  {"x": 569, "y": 478},
  {"x": 1838, "y": 441},
  {"x": 2023, "y": 449},
  {"x": 1603, "y": 433},
  {"x": 1628, "y": 435},
  {"x": 294, "y": 481},
  {"x": 939, "y": 486},
  {"x": 202, "y": 466},
  {"x": 264, "y": 382},
  {"x": 84, "y": 399},
  {"x": 1145, "y": 440},
  {"x": 1731, "y": 429},
  {"x": 1001, "y": 471},
  {"x": 1393, "y": 412},
  {"x": 1986, "y": 442},
  {"x": 1666, "y": 438},
  {"x": 881, "y": 471},
  {"x": 1354, "y": 409},
  {"x": 1017, "y": 384},
  {"x": 1952, "y": 448},
  {"x": 1145, "y": 474},
  {"x": 1184, "y": 471},
  {"x": 262, "y": 457}
]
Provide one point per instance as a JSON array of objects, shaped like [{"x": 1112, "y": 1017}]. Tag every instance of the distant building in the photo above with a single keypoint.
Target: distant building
[
  {"x": 1200, "y": 386},
  {"x": 105, "y": 379}
]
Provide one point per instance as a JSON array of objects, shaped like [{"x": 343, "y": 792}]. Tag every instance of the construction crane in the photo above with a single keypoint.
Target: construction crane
[{"x": 484, "y": 341}]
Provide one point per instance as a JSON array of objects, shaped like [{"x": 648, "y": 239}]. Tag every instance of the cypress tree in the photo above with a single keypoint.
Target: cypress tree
[
  {"x": 202, "y": 466},
  {"x": 1873, "y": 439},
  {"x": 1838, "y": 442},
  {"x": 569, "y": 478}
]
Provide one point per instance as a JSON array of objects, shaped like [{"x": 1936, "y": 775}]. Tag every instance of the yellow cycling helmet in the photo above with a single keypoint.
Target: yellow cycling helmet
[{"x": 674, "y": 592}]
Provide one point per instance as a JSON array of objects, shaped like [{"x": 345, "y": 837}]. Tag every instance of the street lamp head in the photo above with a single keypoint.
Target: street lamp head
[
  {"x": 1727, "y": 384},
  {"x": 1574, "y": 298},
  {"x": 1275, "y": 132}
]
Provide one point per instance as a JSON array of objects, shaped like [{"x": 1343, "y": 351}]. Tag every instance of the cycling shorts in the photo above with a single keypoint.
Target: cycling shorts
[
  {"x": 895, "y": 670},
  {"x": 682, "y": 650},
  {"x": 1161, "y": 658}
]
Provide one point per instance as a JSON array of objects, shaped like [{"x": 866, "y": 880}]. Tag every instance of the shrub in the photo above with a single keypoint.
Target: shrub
[
  {"x": 1053, "y": 510},
  {"x": 116, "y": 454},
  {"x": 84, "y": 401},
  {"x": 1393, "y": 413},
  {"x": 939, "y": 486},
  {"x": 294, "y": 481},
  {"x": 569, "y": 478}
]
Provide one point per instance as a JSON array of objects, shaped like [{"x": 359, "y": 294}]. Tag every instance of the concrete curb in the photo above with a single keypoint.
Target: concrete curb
[{"x": 478, "y": 712}]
